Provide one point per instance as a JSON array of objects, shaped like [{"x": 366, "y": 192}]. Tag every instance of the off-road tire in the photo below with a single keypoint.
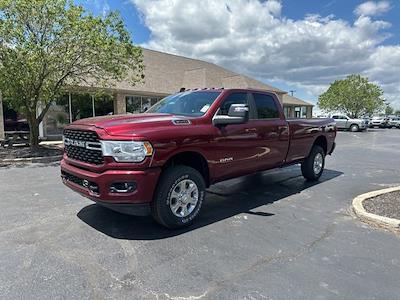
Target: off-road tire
[
  {"x": 307, "y": 167},
  {"x": 170, "y": 178}
]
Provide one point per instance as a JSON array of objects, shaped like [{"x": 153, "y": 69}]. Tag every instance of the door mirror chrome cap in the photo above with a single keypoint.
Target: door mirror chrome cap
[{"x": 237, "y": 114}]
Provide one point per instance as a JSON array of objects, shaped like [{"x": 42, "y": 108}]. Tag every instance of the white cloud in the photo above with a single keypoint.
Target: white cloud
[
  {"x": 372, "y": 8},
  {"x": 102, "y": 6},
  {"x": 251, "y": 37}
]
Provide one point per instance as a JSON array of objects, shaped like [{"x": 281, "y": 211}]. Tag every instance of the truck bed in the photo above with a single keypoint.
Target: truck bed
[{"x": 304, "y": 131}]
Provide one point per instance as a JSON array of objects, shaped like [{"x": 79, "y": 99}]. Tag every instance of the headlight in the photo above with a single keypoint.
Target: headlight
[{"x": 123, "y": 151}]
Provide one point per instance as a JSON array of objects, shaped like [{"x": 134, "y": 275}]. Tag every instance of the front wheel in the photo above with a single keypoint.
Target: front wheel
[
  {"x": 354, "y": 128},
  {"x": 178, "y": 197},
  {"x": 313, "y": 166}
]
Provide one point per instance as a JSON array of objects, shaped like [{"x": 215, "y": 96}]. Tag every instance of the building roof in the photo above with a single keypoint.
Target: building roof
[
  {"x": 168, "y": 73},
  {"x": 291, "y": 100}
]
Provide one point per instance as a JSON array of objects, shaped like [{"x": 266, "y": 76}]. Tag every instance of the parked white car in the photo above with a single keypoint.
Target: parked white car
[
  {"x": 378, "y": 122},
  {"x": 394, "y": 122},
  {"x": 345, "y": 122}
]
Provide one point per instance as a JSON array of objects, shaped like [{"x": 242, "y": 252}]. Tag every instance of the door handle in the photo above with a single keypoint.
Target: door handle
[
  {"x": 282, "y": 128},
  {"x": 251, "y": 129}
]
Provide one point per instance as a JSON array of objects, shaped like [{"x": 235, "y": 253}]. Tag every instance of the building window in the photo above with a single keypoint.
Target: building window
[
  {"x": 103, "y": 105},
  {"x": 297, "y": 111},
  {"x": 300, "y": 112},
  {"x": 304, "y": 112},
  {"x": 286, "y": 112},
  {"x": 139, "y": 104},
  {"x": 78, "y": 106},
  {"x": 133, "y": 104},
  {"x": 56, "y": 117}
]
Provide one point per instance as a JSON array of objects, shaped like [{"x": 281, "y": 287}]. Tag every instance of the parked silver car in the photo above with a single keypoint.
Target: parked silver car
[
  {"x": 378, "y": 122},
  {"x": 345, "y": 122},
  {"x": 394, "y": 122}
]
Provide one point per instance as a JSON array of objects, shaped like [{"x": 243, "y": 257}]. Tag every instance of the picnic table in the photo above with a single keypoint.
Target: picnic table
[{"x": 15, "y": 137}]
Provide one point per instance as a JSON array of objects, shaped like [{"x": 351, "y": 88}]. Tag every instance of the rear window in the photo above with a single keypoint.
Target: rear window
[{"x": 266, "y": 106}]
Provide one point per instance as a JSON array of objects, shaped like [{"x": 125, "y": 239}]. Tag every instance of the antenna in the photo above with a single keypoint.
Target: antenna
[{"x": 292, "y": 92}]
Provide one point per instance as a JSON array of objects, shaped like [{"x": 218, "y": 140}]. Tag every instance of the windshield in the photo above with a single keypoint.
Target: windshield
[{"x": 189, "y": 103}]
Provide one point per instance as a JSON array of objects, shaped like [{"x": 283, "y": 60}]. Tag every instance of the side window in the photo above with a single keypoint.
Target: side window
[
  {"x": 266, "y": 107},
  {"x": 235, "y": 98},
  {"x": 335, "y": 117}
]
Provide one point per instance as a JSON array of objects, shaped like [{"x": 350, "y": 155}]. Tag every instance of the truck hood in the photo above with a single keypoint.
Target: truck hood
[{"x": 134, "y": 124}]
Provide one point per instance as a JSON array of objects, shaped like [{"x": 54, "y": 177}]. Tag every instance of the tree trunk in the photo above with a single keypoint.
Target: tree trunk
[
  {"x": 34, "y": 135},
  {"x": 34, "y": 125},
  {"x": 33, "y": 130}
]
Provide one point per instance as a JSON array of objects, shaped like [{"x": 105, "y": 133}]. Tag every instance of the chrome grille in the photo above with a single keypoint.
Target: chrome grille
[{"x": 92, "y": 155}]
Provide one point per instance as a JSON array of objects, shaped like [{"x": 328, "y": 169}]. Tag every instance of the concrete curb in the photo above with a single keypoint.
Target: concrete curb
[
  {"x": 363, "y": 214},
  {"x": 46, "y": 159}
]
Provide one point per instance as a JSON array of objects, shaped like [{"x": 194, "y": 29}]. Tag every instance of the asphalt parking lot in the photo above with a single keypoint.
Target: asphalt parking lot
[{"x": 265, "y": 236}]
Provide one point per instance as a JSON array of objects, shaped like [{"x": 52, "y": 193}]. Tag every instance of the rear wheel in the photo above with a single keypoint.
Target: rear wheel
[
  {"x": 178, "y": 197},
  {"x": 313, "y": 166}
]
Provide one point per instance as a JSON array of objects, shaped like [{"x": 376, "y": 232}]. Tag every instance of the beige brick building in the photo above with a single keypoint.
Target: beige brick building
[{"x": 164, "y": 74}]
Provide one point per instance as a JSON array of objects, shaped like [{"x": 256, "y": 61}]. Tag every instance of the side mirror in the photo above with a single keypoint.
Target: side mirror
[{"x": 237, "y": 114}]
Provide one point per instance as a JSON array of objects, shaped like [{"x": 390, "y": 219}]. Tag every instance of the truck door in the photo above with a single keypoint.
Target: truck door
[
  {"x": 272, "y": 130},
  {"x": 235, "y": 148},
  {"x": 341, "y": 121}
]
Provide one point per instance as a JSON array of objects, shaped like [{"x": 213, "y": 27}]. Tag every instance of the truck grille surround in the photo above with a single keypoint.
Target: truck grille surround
[{"x": 92, "y": 156}]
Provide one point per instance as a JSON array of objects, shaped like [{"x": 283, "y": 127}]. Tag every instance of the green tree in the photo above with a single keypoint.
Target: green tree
[
  {"x": 48, "y": 46},
  {"x": 397, "y": 112},
  {"x": 354, "y": 96},
  {"x": 389, "y": 110}
]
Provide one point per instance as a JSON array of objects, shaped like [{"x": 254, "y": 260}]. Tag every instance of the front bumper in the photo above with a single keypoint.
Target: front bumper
[
  {"x": 380, "y": 124},
  {"x": 82, "y": 181},
  {"x": 333, "y": 148}
]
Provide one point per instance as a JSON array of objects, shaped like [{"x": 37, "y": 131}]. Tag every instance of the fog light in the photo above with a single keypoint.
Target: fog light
[
  {"x": 94, "y": 188},
  {"x": 123, "y": 187}
]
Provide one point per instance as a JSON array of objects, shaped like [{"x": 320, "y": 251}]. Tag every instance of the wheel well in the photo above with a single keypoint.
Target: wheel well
[
  {"x": 354, "y": 124},
  {"x": 191, "y": 159},
  {"x": 322, "y": 142}
]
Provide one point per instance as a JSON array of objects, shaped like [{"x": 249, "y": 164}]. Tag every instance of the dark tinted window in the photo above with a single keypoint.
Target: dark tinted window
[
  {"x": 266, "y": 107},
  {"x": 235, "y": 98}
]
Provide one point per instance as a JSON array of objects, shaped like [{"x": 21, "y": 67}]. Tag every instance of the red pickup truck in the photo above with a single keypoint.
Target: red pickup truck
[{"x": 162, "y": 161}]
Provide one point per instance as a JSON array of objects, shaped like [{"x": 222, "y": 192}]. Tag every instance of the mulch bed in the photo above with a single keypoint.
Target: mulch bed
[
  {"x": 386, "y": 205},
  {"x": 27, "y": 152}
]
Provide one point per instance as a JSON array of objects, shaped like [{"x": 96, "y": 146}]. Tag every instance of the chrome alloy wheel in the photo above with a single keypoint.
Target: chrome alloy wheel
[
  {"x": 318, "y": 162},
  {"x": 184, "y": 198}
]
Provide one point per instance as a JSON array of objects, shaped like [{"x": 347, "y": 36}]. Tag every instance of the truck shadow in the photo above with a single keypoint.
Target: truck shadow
[{"x": 224, "y": 200}]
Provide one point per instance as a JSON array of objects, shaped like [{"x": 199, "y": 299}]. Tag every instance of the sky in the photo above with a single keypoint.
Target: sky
[{"x": 294, "y": 45}]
